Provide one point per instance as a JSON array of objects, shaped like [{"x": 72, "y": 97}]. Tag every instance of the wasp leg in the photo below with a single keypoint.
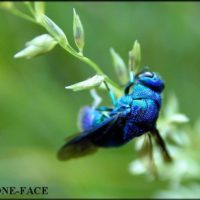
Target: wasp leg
[
  {"x": 152, "y": 164},
  {"x": 161, "y": 144},
  {"x": 111, "y": 94},
  {"x": 127, "y": 88},
  {"x": 104, "y": 108}
]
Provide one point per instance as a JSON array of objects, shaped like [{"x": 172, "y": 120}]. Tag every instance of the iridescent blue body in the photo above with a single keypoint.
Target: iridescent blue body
[
  {"x": 134, "y": 114},
  {"x": 140, "y": 109}
]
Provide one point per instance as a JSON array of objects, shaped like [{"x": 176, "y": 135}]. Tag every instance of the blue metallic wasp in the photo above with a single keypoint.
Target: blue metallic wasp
[{"x": 134, "y": 114}]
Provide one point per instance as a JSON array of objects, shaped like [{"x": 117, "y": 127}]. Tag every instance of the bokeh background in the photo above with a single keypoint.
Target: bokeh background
[{"x": 37, "y": 113}]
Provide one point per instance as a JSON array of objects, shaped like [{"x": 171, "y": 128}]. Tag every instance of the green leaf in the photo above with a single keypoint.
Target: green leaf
[
  {"x": 120, "y": 67},
  {"x": 90, "y": 83},
  {"x": 78, "y": 32}
]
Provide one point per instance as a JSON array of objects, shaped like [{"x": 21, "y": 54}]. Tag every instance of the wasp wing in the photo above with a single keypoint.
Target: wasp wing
[
  {"x": 81, "y": 148},
  {"x": 87, "y": 142}
]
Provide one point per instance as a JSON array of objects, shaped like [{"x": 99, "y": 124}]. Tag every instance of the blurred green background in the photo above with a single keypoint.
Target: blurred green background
[{"x": 37, "y": 113}]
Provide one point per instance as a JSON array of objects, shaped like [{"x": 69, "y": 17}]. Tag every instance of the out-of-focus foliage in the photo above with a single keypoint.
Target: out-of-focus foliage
[
  {"x": 182, "y": 144},
  {"x": 181, "y": 192},
  {"x": 36, "y": 111}
]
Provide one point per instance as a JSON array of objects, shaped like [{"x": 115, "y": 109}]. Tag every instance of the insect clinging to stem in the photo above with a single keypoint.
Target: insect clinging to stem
[{"x": 132, "y": 115}]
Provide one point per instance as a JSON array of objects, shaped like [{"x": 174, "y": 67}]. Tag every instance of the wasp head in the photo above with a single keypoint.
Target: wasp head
[{"x": 151, "y": 80}]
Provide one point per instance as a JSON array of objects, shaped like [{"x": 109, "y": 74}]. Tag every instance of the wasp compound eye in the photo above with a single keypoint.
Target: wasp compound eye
[{"x": 147, "y": 74}]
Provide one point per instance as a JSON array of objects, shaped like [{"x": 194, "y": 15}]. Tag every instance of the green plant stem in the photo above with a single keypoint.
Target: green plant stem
[
  {"x": 99, "y": 71},
  {"x": 69, "y": 49},
  {"x": 93, "y": 65},
  {"x": 22, "y": 15},
  {"x": 28, "y": 4}
]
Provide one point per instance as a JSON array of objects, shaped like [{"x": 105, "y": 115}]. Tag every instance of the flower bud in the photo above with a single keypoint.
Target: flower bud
[
  {"x": 178, "y": 118},
  {"x": 135, "y": 57},
  {"x": 137, "y": 167},
  {"x": 39, "y": 45},
  {"x": 120, "y": 67},
  {"x": 90, "y": 83},
  {"x": 53, "y": 29},
  {"x": 78, "y": 32}
]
